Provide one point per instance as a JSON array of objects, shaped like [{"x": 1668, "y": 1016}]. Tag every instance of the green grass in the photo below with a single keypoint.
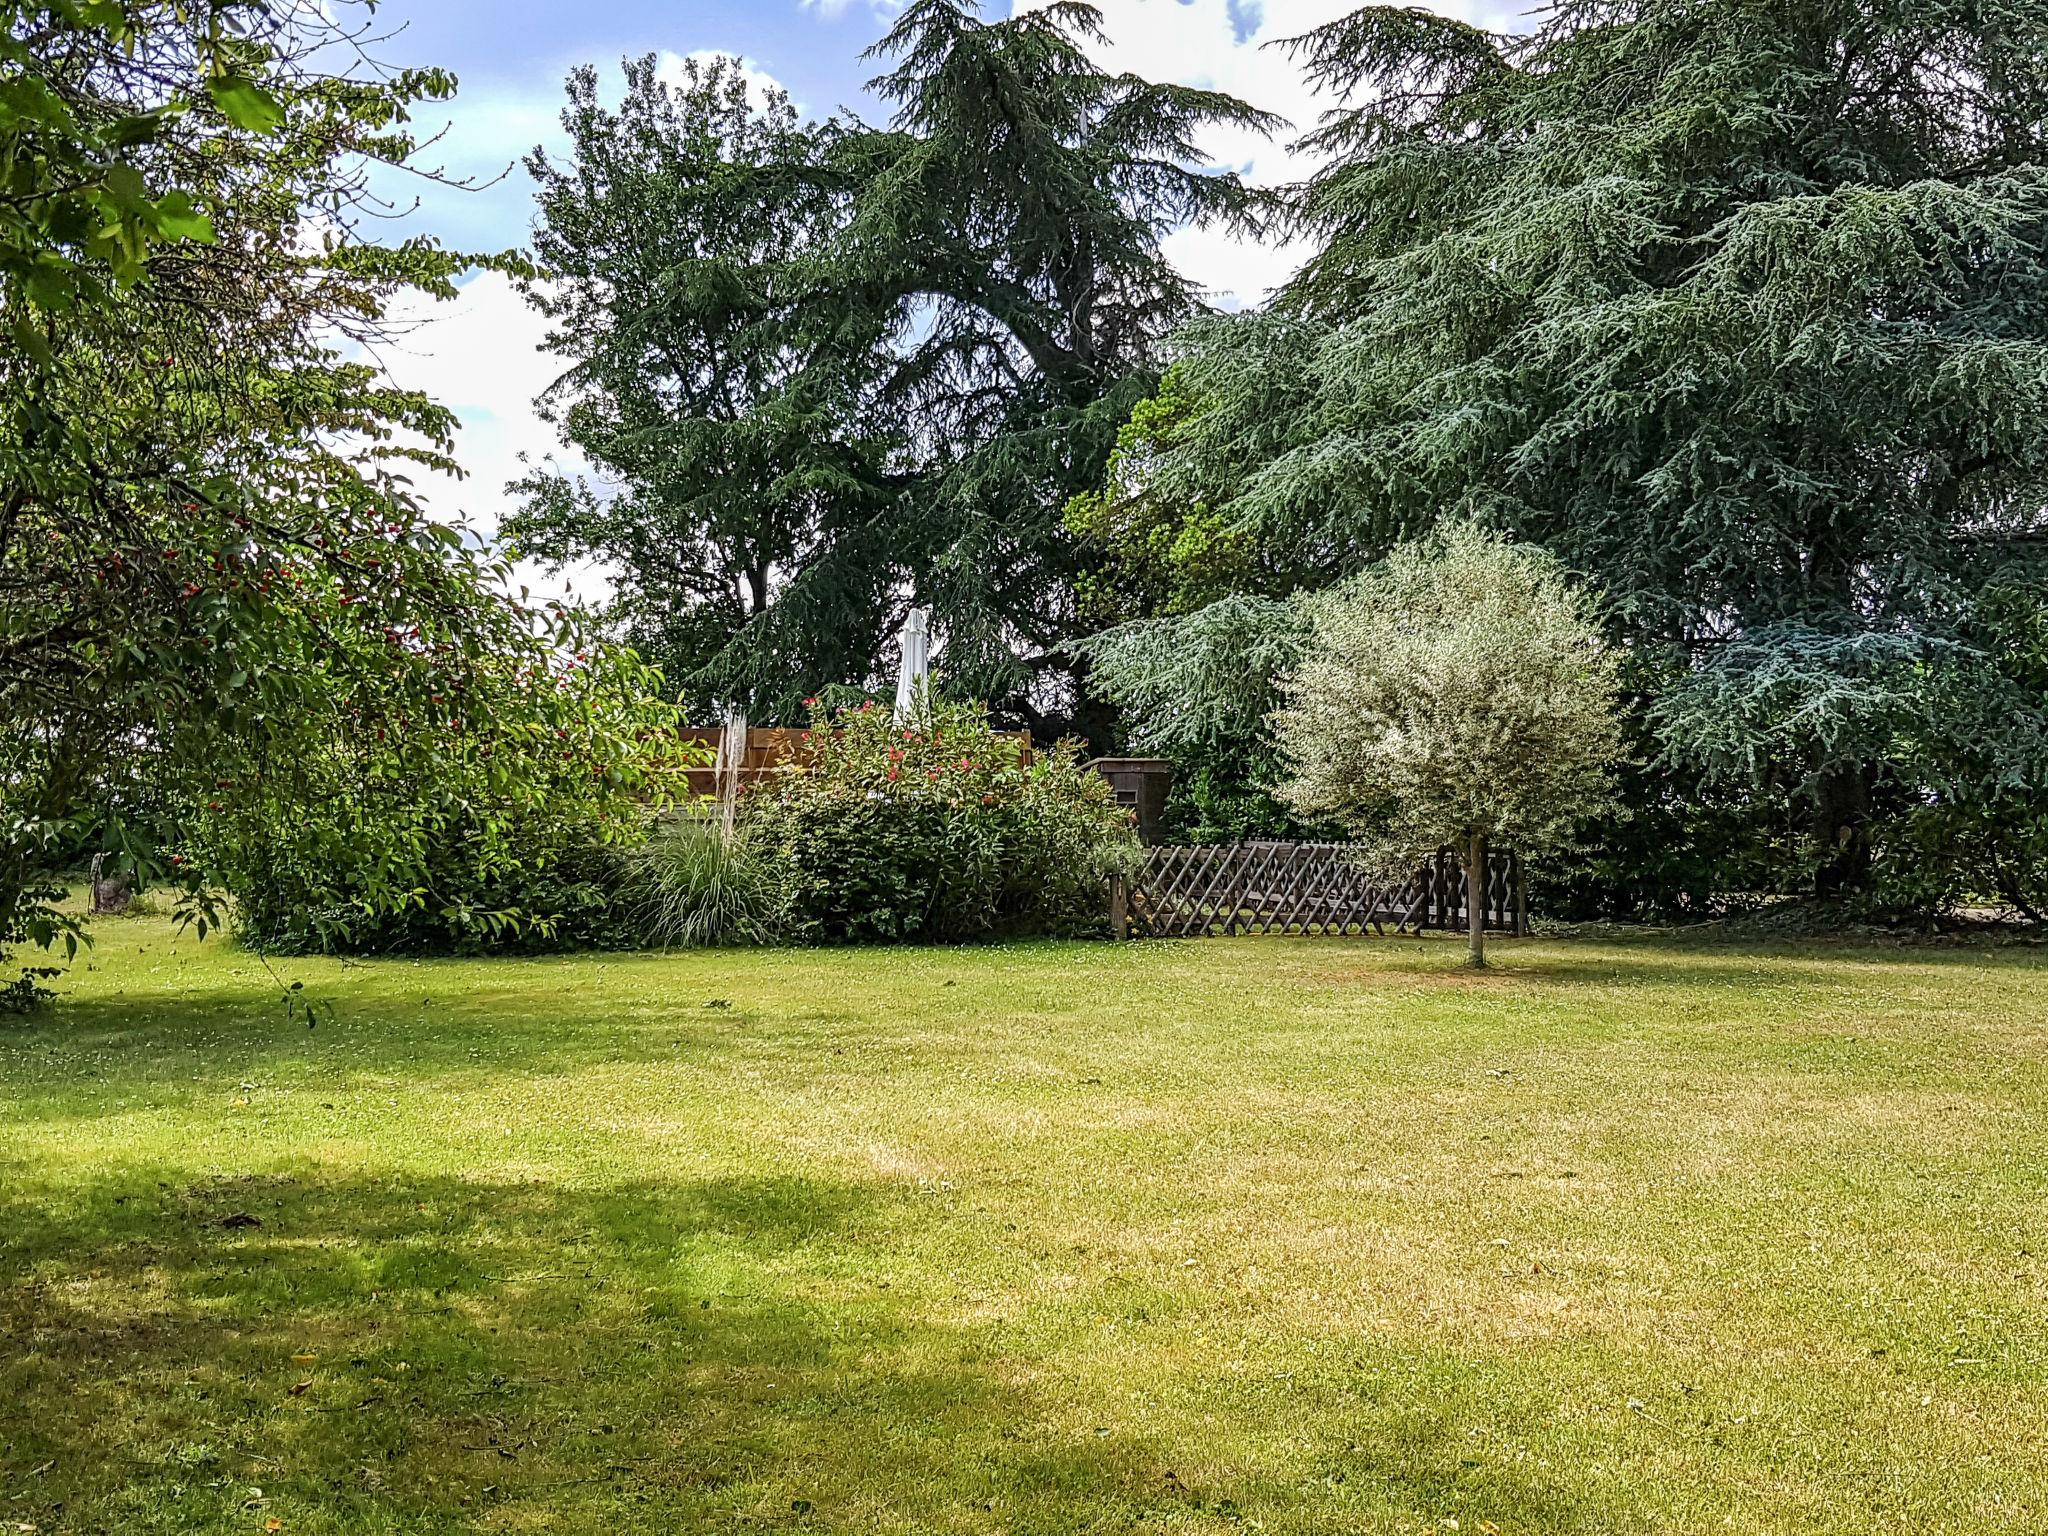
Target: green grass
[{"x": 1234, "y": 1236}]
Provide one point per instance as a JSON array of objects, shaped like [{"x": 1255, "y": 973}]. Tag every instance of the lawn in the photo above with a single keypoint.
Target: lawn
[{"x": 1224, "y": 1236}]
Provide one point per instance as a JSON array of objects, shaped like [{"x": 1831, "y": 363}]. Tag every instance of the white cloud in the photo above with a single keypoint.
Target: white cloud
[
  {"x": 760, "y": 84},
  {"x": 481, "y": 356},
  {"x": 1232, "y": 46},
  {"x": 832, "y": 10}
]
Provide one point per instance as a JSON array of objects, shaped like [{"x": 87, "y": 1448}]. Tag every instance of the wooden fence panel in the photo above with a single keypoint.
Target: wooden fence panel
[
  {"x": 769, "y": 747},
  {"x": 1306, "y": 888}
]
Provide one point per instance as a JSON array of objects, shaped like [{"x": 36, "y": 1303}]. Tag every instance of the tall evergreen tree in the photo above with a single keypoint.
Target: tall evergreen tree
[
  {"x": 1740, "y": 306},
  {"x": 681, "y": 244},
  {"x": 964, "y": 306}
]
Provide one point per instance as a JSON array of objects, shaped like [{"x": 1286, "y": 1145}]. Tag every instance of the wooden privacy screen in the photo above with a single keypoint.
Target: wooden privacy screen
[
  {"x": 1309, "y": 888},
  {"x": 768, "y": 748}
]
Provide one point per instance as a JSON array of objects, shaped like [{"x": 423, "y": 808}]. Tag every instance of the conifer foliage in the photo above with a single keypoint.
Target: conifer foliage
[
  {"x": 1741, "y": 308},
  {"x": 840, "y": 367}
]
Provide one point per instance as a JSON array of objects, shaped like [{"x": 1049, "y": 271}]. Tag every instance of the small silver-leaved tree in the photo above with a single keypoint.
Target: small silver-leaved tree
[{"x": 1458, "y": 693}]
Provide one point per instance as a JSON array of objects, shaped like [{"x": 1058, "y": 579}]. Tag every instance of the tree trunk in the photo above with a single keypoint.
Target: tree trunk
[
  {"x": 1841, "y": 829},
  {"x": 1119, "y": 907},
  {"x": 1475, "y": 895}
]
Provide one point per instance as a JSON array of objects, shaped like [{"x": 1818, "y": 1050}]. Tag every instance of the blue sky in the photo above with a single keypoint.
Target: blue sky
[
  {"x": 512, "y": 56},
  {"x": 482, "y": 356}
]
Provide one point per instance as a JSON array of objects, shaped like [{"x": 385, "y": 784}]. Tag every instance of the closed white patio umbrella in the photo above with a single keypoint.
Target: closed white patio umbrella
[{"x": 915, "y": 642}]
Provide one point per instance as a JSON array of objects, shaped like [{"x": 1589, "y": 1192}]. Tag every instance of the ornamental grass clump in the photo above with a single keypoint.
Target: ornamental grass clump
[
  {"x": 935, "y": 832},
  {"x": 697, "y": 882}
]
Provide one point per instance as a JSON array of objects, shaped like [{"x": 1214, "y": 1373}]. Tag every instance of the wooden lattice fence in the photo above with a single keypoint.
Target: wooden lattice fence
[{"x": 1306, "y": 888}]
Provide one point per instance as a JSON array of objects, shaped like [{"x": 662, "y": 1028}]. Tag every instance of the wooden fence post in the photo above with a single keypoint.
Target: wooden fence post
[{"x": 1120, "y": 906}]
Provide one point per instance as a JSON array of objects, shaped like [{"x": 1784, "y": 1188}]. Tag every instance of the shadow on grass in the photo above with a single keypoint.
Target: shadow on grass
[
  {"x": 414, "y": 1354},
  {"x": 401, "y": 1353},
  {"x": 1661, "y": 962},
  {"x": 191, "y": 1047}
]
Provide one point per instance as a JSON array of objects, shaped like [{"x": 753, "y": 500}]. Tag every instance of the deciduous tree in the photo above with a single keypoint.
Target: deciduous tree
[
  {"x": 208, "y": 555},
  {"x": 746, "y": 467},
  {"x": 1459, "y": 693},
  {"x": 1000, "y": 239}
]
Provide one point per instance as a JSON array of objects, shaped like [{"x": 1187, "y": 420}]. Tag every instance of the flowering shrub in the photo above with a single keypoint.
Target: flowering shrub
[{"x": 936, "y": 834}]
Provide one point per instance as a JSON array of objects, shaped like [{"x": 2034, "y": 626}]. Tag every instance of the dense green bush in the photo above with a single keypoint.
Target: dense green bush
[
  {"x": 494, "y": 813},
  {"x": 936, "y": 834},
  {"x": 549, "y": 888},
  {"x": 1678, "y": 850},
  {"x": 30, "y": 916},
  {"x": 1938, "y": 858}
]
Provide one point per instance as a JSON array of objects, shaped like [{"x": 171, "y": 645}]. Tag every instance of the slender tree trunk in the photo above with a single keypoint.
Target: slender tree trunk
[
  {"x": 1475, "y": 895},
  {"x": 1841, "y": 798}
]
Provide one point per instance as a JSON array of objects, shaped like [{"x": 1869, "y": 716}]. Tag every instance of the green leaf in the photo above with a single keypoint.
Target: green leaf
[
  {"x": 127, "y": 132},
  {"x": 179, "y": 220},
  {"x": 247, "y": 104},
  {"x": 31, "y": 341},
  {"x": 126, "y": 188}
]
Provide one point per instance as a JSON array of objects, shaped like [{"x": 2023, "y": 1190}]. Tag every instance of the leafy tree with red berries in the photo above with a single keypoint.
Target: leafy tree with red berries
[{"x": 215, "y": 588}]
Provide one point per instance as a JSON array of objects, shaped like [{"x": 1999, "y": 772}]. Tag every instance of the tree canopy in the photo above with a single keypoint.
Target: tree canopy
[
  {"x": 1740, "y": 307},
  {"x": 733, "y": 423},
  {"x": 955, "y": 313},
  {"x": 212, "y": 574},
  {"x": 1458, "y": 694}
]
